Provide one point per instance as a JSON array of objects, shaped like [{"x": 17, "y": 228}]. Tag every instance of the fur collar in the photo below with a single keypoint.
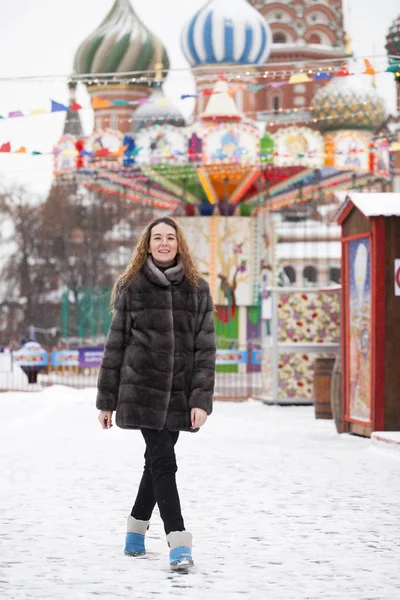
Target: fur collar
[{"x": 172, "y": 276}]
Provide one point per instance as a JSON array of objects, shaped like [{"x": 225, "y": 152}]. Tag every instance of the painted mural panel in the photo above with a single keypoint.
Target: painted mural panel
[
  {"x": 197, "y": 233},
  {"x": 226, "y": 249},
  {"x": 234, "y": 261},
  {"x": 309, "y": 317},
  {"x": 359, "y": 311},
  {"x": 305, "y": 317}
]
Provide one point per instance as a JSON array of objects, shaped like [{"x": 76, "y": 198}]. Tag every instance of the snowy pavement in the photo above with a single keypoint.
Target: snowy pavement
[{"x": 279, "y": 505}]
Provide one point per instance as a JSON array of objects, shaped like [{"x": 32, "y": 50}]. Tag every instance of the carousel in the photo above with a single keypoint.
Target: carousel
[{"x": 245, "y": 190}]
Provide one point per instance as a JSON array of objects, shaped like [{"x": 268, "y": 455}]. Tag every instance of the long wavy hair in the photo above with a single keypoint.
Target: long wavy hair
[{"x": 141, "y": 252}]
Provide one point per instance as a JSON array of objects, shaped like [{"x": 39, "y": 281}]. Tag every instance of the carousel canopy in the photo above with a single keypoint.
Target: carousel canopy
[
  {"x": 221, "y": 105},
  {"x": 226, "y": 31},
  {"x": 157, "y": 112}
]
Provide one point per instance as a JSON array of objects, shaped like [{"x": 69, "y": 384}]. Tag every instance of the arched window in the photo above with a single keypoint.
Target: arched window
[
  {"x": 309, "y": 275},
  {"x": 314, "y": 39},
  {"x": 290, "y": 274},
  {"x": 334, "y": 275},
  {"x": 276, "y": 104},
  {"x": 279, "y": 38}
]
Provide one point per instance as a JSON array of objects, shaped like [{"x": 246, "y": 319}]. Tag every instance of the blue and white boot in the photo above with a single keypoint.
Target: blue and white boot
[
  {"x": 180, "y": 544},
  {"x": 134, "y": 541}
]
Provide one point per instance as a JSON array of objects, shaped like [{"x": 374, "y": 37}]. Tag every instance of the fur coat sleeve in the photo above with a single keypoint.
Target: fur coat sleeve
[
  {"x": 114, "y": 349},
  {"x": 202, "y": 388}
]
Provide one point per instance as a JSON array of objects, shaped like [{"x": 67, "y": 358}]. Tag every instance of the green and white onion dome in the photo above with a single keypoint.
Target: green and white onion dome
[
  {"x": 157, "y": 112},
  {"x": 121, "y": 44},
  {"x": 348, "y": 103}
]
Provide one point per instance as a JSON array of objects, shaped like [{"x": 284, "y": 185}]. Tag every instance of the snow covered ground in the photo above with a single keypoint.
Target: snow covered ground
[{"x": 279, "y": 505}]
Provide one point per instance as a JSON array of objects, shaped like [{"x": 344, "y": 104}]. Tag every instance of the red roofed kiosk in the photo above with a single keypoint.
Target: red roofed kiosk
[{"x": 370, "y": 225}]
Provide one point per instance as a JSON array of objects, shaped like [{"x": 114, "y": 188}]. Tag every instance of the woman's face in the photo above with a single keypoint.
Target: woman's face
[{"x": 163, "y": 243}]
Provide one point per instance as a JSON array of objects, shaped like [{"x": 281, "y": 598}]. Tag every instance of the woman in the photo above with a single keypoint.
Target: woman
[{"x": 158, "y": 372}]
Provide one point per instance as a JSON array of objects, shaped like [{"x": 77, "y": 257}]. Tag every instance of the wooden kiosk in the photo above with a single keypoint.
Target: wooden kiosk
[{"x": 370, "y": 343}]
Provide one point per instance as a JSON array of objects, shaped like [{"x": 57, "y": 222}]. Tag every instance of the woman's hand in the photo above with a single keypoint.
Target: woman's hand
[
  {"x": 198, "y": 417},
  {"x": 105, "y": 418}
]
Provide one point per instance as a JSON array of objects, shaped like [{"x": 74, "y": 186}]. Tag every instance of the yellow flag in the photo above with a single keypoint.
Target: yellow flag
[
  {"x": 299, "y": 78},
  {"x": 38, "y": 111}
]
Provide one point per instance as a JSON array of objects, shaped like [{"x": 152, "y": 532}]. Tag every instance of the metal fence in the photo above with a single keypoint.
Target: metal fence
[{"x": 238, "y": 375}]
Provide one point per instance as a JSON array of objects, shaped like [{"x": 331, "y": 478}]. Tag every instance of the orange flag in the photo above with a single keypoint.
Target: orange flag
[
  {"x": 369, "y": 69},
  {"x": 100, "y": 103},
  {"x": 21, "y": 150}
]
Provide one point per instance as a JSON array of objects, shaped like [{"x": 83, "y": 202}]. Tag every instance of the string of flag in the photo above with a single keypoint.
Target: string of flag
[
  {"x": 296, "y": 78},
  {"x": 279, "y": 69}
]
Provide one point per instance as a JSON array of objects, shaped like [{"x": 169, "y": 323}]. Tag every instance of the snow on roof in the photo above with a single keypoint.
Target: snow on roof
[{"x": 372, "y": 204}]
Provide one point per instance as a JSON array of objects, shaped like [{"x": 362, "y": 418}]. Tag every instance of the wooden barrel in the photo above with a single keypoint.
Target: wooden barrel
[
  {"x": 336, "y": 394},
  {"x": 322, "y": 387}
]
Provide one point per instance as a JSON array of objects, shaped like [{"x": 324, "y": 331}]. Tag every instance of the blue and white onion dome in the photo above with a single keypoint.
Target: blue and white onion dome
[{"x": 226, "y": 32}]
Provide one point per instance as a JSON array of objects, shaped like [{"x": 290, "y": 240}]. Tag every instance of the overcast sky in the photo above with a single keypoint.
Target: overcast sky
[{"x": 40, "y": 37}]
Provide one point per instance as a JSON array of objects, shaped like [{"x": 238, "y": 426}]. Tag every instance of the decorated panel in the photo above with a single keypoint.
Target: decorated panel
[
  {"x": 161, "y": 143},
  {"x": 298, "y": 146},
  {"x": 232, "y": 143}
]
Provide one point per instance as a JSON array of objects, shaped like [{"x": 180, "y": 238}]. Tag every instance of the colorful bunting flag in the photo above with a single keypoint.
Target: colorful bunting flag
[
  {"x": 15, "y": 113},
  {"x": 58, "y": 107},
  {"x": 369, "y": 69},
  {"x": 299, "y": 78},
  {"x": 5, "y": 147},
  {"x": 393, "y": 68},
  {"x": 120, "y": 102},
  {"x": 322, "y": 75},
  {"x": 276, "y": 84},
  {"x": 255, "y": 88},
  {"x": 75, "y": 106},
  {"x": 100, "y": 103},
  {"x": 21, "y": 150},
  {"x": 38, "y": 111},
  {"x": 343, "y": 72}
]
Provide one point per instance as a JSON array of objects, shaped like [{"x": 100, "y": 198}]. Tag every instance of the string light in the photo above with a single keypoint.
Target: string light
[{"x": 208, "y": 72}]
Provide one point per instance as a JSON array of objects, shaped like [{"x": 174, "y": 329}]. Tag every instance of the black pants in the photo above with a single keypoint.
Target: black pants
[{"x": 158, "y": 482}]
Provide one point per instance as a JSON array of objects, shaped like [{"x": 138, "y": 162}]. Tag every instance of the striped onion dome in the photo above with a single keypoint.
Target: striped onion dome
[
  {"x": 121, "y": 43},
  {"x": 346, "y": 104},
  {"x": 226, "y": 32}
]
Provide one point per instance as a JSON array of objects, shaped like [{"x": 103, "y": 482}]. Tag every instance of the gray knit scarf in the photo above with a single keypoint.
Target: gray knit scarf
[{"x": 171, "y": 276}]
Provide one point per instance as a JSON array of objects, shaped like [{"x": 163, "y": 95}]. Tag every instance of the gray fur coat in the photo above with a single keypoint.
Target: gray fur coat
[{"x": 159, "y": 356}]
